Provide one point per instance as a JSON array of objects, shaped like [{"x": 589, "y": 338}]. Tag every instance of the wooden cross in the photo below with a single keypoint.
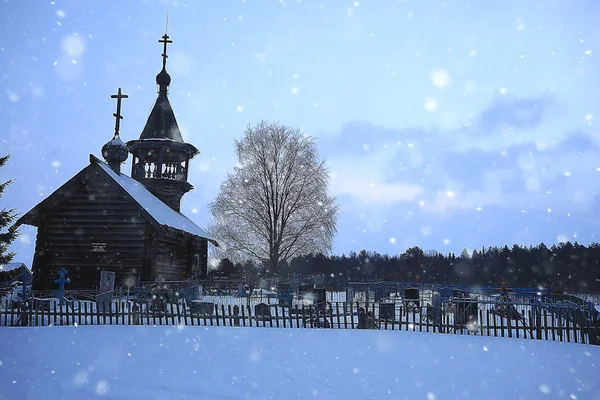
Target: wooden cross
[
  {"x": 118, "y": 115},
  {"x": 61, "y": 285},
  {"x": 165, "y": 40},
  {"x": 24, "y": 277}
]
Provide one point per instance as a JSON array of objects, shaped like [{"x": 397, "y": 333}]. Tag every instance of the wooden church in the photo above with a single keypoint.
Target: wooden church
[{"x": 102, "y": 219}]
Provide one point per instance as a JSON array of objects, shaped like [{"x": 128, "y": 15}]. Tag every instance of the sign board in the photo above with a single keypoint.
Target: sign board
[
  {"x": 107, "y": 281},
  {"x": 98, "y": 247}
]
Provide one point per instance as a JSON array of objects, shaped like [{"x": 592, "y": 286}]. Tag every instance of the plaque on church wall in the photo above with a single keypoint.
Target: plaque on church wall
[{"x": 98, "y": 247}]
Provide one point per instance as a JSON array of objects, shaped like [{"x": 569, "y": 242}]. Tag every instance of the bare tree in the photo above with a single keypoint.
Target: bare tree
[{"x": 275, "y": 205}]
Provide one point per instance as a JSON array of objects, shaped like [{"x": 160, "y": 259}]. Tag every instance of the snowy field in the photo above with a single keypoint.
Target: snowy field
[{"x": 171, "y": 362}]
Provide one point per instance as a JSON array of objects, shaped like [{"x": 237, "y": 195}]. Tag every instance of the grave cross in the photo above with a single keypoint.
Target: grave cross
[
  {"x": 24, "y": 284},
  {"x": 61, "y": 284},
  {"x": 118, "y": 115}
]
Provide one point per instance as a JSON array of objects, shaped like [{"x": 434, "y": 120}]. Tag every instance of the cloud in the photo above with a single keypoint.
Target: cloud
[
  {"x": 516, "y": 113},
  {"x": 377, "y": 193},
  {"x": 439, "y": 171},
  {"x": 367, "y": 183}
]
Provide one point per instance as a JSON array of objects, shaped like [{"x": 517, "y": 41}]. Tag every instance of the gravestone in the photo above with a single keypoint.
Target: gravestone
[
  {"x": 436, "y": 307},
  {"x": 465, "y": 312},
  {"x": 321, "y": 299},
  {"x": 306, "y": 292},
  {"x": 362, "y": 318},
  {"x": 236, "y": 315},
  {"x": 202, "y": 308},
  {"x": 349, "y": 294},
  {"x": 284, "y": 294},
  {"x": 135, "y": 318},
  {"x": 387, "y": 311},
  {"x": 262, "y": 311},
  {"x": 366, "y": 320},
  {"x": 285, "y": 300},
  {"x": 104, "y": 302},
  {"x": 411, "y": 295}
]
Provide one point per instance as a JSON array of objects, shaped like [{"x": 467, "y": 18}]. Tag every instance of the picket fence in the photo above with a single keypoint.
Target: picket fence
[{"x": 554, "y": 323}]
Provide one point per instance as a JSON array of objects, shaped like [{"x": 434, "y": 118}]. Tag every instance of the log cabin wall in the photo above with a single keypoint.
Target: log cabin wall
[
  {"x": 200, "y": 256},
  {"x": 95, "y": 227},
  {"x": 172, "y": 257}
]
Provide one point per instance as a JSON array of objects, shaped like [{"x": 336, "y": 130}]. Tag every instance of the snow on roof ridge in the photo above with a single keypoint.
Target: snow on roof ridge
[
  {"x": 11, "y": 266},
  {"x": 162, "y": 214}
]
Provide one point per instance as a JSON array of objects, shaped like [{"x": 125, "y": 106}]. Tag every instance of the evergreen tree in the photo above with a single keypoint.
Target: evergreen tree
[
  {"x": 6, "y": 217},
  {"x": 464, "y": 254}
]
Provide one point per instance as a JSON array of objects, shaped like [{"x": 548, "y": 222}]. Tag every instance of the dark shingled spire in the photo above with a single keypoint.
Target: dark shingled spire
[{"x": 161, "y": 122}]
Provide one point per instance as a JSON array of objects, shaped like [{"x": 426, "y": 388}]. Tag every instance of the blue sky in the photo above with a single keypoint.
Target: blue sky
[{"x": 445, "y": 124}]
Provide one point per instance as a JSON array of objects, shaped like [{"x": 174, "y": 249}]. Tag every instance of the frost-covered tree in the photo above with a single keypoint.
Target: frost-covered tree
[
  {"x": 6, "y": 217},
  {"x": 275, "y": 204}
]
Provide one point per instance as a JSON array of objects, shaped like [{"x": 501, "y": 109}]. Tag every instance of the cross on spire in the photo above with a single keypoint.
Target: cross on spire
[
  {"x": 118, "y": 115},
  {"x": 165, "y": 40}
]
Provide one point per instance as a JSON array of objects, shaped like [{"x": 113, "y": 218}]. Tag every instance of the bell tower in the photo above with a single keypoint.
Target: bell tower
[{"x": 160, "y": 156}]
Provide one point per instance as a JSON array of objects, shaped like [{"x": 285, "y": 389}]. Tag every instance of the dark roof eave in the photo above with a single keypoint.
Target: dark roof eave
[
  {"x": 152, "y": 143},
  {"x": 213, "y": 241}
]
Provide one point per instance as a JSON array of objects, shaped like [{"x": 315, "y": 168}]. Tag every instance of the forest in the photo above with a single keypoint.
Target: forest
[{"x": 562, "y": 267}]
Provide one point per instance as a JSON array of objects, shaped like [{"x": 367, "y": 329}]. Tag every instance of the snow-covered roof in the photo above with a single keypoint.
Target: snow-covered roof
[
  {"x": 11, "y": 266},
  {"x": 162, "y": 214}
]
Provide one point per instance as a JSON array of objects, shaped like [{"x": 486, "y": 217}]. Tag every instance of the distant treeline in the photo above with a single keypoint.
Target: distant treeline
[{"x": 563, "y": 267}]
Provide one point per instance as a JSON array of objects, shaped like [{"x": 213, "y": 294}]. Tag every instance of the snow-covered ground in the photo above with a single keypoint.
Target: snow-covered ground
[{"x": 171, "y": 362}]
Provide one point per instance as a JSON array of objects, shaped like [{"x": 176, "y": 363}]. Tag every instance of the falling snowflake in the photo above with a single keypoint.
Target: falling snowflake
[
  {"x": 12, "y": 96},
  {"x": 73, "y": 45},
  {"x": 440, "y": 78},
  {"x": 544, "y": 388},
  {"x": 430, "y": 104},
  {"x": 101, "y": 388}
]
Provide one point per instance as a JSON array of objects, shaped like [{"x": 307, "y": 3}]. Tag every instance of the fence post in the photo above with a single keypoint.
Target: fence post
[{"x": 537, "y": 310}]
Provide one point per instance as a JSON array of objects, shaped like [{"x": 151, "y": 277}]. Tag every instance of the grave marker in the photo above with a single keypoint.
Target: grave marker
[
  {"x": 204, "y": 308},
  {"x": 61, "y": 285},
  {"x": 387, "y": 312},
  {"x": 262, "y": 311}
]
